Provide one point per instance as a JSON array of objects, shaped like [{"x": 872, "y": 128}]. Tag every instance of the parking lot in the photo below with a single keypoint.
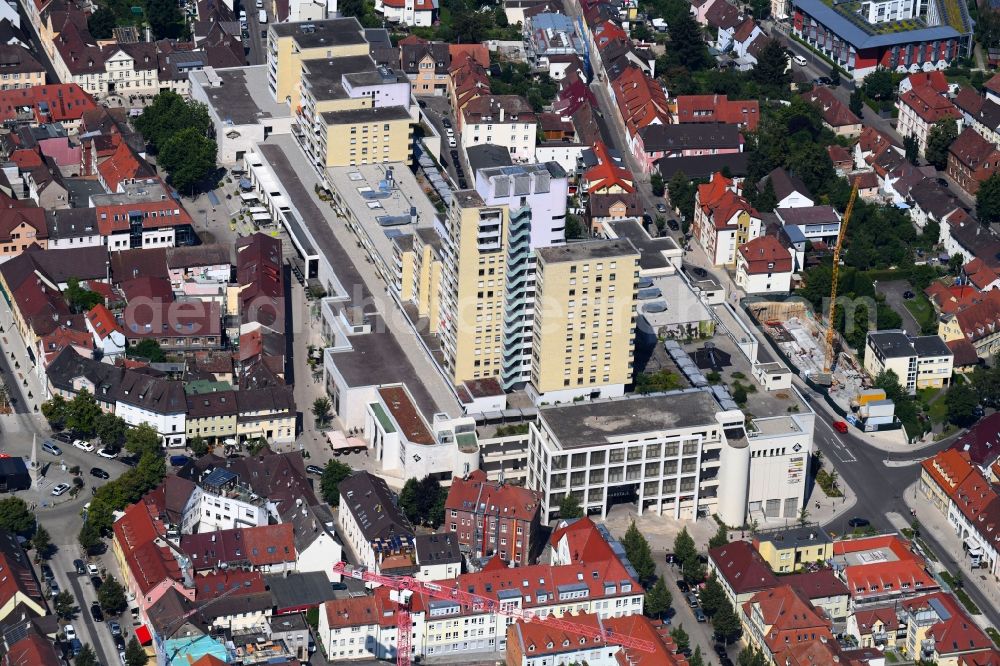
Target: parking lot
[{"x": 439, "y": 114}]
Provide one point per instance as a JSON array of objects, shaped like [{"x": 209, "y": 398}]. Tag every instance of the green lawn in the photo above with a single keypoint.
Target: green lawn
[
  {"x": 938, "y": 411},
  {"x": 922, "y": 310}
]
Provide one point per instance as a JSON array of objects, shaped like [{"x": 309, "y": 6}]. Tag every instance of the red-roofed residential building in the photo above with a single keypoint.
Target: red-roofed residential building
[
  {"x": 51, "y": 344},
  {"x": 19, "y": 228},
  {"x": 144, "y": 215},
  {"x": 469, "y": 80},
  {"x": 939, "y": 631},
  {"x": 54, "y": 103},
  {"x": 535, "y": 644},
  {"x": 935, "y": 80},
  {"x": 641, "y": 101},
  {"x": 983, "y": 276},
  {"x": 777, "y": 619},
  {"x": 267, "y": 548},
  {"x": 121, "y": 168},
  {"x": 741, "y": 570},
  {"x": 764, "y": 266},
  {"x": 608, "y": 176},
  {"x": 723, "y": 220},
  {"x": 33, "y": 649},
  {"x": 971, "y": 160},
  {"x": 979, "y": 324},
  {"x": 876, "y": 626},
  {"x": 941, "y": 476},
  {"x": 920, "y": 108},
  {"x": 881, "y": 568},
  {"x": 408, "y": 12},
  {"x": 836, "y": 115},
  {"x": 108, "y": 335},
  {"x": 990, "y": 657},
  {"x": 491, "y": 518},
  {"x": 974, "y": 513},
  {"x": 717, "y": 109}
]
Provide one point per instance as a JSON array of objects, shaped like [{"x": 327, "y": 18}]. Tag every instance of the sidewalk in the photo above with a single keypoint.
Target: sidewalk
[
  {"x": 935, "y": 524},
  {"x": 830, "y": 510}
]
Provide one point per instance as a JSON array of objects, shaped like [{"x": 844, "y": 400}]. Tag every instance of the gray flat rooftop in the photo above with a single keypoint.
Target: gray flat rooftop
[
  {"x": 140, "y": 192},
  {"x": 315, "y": 34},
  {"x": 593, "y": 423},
  {"x": 650, "y": 249},
  {"x": 242, "y": 98},
  {"x": 383, "y": 210},
  {"x": 862, "y": 35},
  {"x": 892, "y": 344},
  {"x": 584, "y": 250},
  {"x": 375, "y": 115},
  {"x": 325, "y": 75},
  {"x": 469, "y": 199}
]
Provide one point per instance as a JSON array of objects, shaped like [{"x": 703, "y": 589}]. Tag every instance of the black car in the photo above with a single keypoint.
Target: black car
[
  {"x": 942, "y": 182},
  {"x": 824, "y": 81},
  {"x": 859, "y": 522},
  {"x": 908, "y": 295},
  {"x": 47, "y": 572},
  {"x": 119, "y": 642},
  {"x": 462, "y": 183},
  {"x": 314, "y": 469},
  {"x": 96, "y": 581},
  {"x": 422, "y": 104},
  {"x": 682, "y": 586},
  {"x": 724, "y": 660},
  {"x": 99, "y": 473},
  {"x": 131, "y": 461},
  {"x": 720, "y": 649},
  {"x": 96, "y": 612},
  {"x": 685, "y": 651},
  {"x": 64, "y": 437},
  {"x": 661, "y": 208},
  {"x": 674, "y": 226},
  {"x": 80, "y": 567},
  {"x": 446, "y": 122}
]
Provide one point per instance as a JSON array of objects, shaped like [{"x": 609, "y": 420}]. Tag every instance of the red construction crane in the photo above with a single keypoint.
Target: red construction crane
[{"x": 405, "y": 584}]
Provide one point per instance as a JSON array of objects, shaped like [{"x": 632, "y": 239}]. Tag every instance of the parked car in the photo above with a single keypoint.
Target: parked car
[
  {"x": 75, "y": 647},
  {"x": 682, "y": 586},
  {"x": 131, "y": 461},
  {"x": 83, "y": 445},
  {"x": 674, "y": 226},
  {"x": 108, "y": 452},
  {"x": 823, "y": 81},
  {"x": 314, "y": 469},
  {"x": 908, "y": 295},
  {"x": 116, "y": 629},
  {"x": 800, "y": 61},
  {"x": 60, "y": 489},
  {"x": 661, "y": 208},
  {"x": 942, "y": 182},
  {"x": 857, "y": 521},
  {"x": 93, "y": 569},
  {"x": 54, "y": 589},
  {"x": 179, "y": 461},
  {"x": 99, "y": 473},
  {"x": 96, "y": 582},
  {"x": 119, "y": 642},
  {"x": 80, "y": 567},
  {"x": 96, "y": 612},
  {"x": 70, "y": 632},
  {"x": 50, "y": 447},
  {"x": 64, "y": 437},
  {"x": 692, "y": 599},
  {"x": 446, "y": 122},
  {"x": 122, "y": 658},
  {"x": 47, "y": 574},
  {"x": 699, "y": 615},
  {"x": 451, "y": 142},
  {"x": 338, "y": 586}
]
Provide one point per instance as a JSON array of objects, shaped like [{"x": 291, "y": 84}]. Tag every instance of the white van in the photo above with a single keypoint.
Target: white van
[
  {"x": 800, "y": 61},
  {"x": 262, "y": 17}
]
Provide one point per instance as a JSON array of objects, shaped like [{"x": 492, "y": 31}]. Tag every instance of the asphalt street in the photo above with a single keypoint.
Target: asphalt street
[{"x": 893, "y": 291}]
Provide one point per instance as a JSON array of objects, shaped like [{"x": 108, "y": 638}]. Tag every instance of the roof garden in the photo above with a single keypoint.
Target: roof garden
[{"x": 851, "y": 10}]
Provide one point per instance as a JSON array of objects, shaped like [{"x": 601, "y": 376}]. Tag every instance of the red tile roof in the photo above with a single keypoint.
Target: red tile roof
[
  {"x": 990, "y": 657},
  {"x": 583, "y": 541},
  {"x": 718, "y": 109},
  {"x": 972, "y": 150},
  {"x": 981, "y": 442},
  {"x": 352, "y": 612},
  {"x": 929, "y": 105},
  {"x": 607, "y": 173},
  {"x": 982, "y": 319},
  {"x": 765, "y": 254},
  {"x": 835, "y": 113},
  {"x": 905, "y": 573},
  {"x": 869, "y": 617},
  {"x": 214, "y": 584},
  {"x": 488, "y": 108},
  {"x": 641, "y": 100},
  {"x": 266, "y": 545},
  {"x": 816, "y": 584},
  {"x": 957, "y": 632},
  {"x": 34, "y": 649},
  {"x": 57, "y": 102},
  {"x": 979, "y": 273},
  {"x": 935, "y": 80},
  {"x": 506, "y": 500},
  {"x": 123, "y": 166},
  {"x": 12, "y": 218},
  {"x": 719, "y": 202},
  {"x": 787, "y": 616},
  {"x": 115, "y": 218},
  {"x": 742, "y": 567},
  {"x": 478, "y": 52},
  {"x": 102, "y": 321}
]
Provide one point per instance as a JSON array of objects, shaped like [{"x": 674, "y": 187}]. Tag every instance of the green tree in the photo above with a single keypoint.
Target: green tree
[
  {"x": 988, "y": 200},
  {"x": 409, "y": 500},
  {"x": 658, "y": 599},
  {"x": 15, "y": 517},
  {"x": 693, "y": 571},
  {"x": 42, "y": 542},
  {"x": 726, "y": 624},
  {"x": 89, "y": 536},
  {"x": 696, "y": 658},
  {"x": 65, "y": 605},
  {"x": 955, "y": 263},
  {"x": 803, "y": 519},
  {"x": 766, "y": 200},
  {"x": 321, "y": 409},
  {"x": 569, "y": 507},
  {"x": 739, "y": 393},
  {"x": 662, "y": 380},
  {"x": 712, "y": 596},
  {"x": 686, "y": 44},
  {"x": 333, "y": 474},
  {"x": 111, "y": 429},
  {"x": 198, "y": 446},
  {"x": 639, "y": 554},
  {"x": 56, "y": 411},
  {"x": 988, "y": 28},
  {"x": 721, "y": 537},
  {"x": 188, "y": 157},
  {"x": 878, "y": 85},
  {"x": 134, "y": 654},
  {"x": 574, "y": 228},
  {"x": 148, "y": 349},
  {"x": 657, "y": 184},
  {"x": 101, "y": 23},
  {"x": 911, "y": 149},
  {"x": 682, "y": 194},
  {"x": 888, "y": 381},
  {"x": 939, "y": 139},
  {"x": 961, "y": 401},
  {"x": 111, "y": 596},
  {"x": 165, "y": 19},
  {"x": 142, "y": 439},
  {"x": 811, "y": 162},
  {"x": 856, "y": 103},
  {"x": 681, "y": 638},
  {"x": 168, "y": 115},
  {"x": 87, "y": 657},
  {"x": 772, "y": 66},
  {"x": 82, "y": 413},
  {"x": 684, "y": 548},
  {"x": 751, "y": 656},
  {"x": 80, "y": 299}
]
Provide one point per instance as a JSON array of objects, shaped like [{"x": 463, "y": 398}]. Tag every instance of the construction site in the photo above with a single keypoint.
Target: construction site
[{"x": 797, "y": 333}]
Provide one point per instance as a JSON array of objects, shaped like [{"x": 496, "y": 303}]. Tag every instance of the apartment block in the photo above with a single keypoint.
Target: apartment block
[
  {"x": 584, "y": 328},
  {"x": 493, "y": 519},
  {"x": 918, "y": 361}
]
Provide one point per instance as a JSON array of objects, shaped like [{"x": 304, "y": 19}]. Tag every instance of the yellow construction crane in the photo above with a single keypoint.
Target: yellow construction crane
[{"x": 828, "y": 366}]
